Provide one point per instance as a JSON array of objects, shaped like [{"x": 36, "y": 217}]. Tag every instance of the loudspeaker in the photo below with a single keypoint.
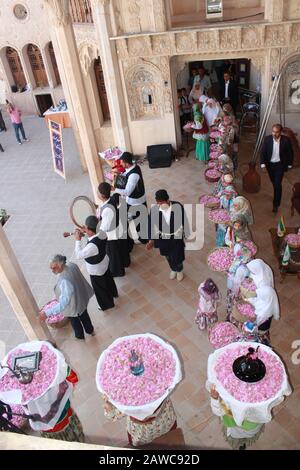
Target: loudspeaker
[{"x": 159, "y": 156}]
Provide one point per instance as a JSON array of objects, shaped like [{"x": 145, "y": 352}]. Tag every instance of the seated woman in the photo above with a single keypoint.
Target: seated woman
[
  {"x": 241, "y": 207},
  {"x": 236, "y": 274},
  {"x": 237, "y": 231},
  {"x": 201, "y": 135},
  {"x": 266, "y": 307},
  {"x": 225, "y": 163},
  {"x": 225, "y": 180},
  {"x": 226, "y": 197},
  {"x": 144, "y": 432}
]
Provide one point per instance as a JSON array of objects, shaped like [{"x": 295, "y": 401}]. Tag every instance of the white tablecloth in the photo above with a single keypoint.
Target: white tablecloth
[
  {"x": 141, "y": 412},
  {"x": 259, "y": 412}
]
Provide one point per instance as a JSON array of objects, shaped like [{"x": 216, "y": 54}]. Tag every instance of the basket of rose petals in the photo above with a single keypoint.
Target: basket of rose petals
[
  {"x": 221, "y": 334},
  {"x": 248, "y": 288},
  {"x": 219, "y": 216},
  {"x": 212, "y": 202},
  {"x": 293, "y": 240},
  {"x": 213, "y": 164},
  {"x": 214, "y": 155},
  {"x": 212, "y": 176},
  {"x": 58, "y": 320},
  {"x": 220, "y": 259},
  {"x": 243, "y": 311},
  {"x": 215, "y": 135}
]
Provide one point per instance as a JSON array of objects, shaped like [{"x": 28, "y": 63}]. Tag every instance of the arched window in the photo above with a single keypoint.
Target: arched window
[
  {"x": 81, "y": 11},
  {"x": 37, "y": 65},
  {"x": 101, "y": 89},
  {"x": 54, "y": 64},
  {"x": 16, "y": 68}
]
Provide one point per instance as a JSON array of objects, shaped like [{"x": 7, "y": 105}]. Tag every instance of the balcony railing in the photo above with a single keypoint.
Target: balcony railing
[{"x": 81, "y": 11}]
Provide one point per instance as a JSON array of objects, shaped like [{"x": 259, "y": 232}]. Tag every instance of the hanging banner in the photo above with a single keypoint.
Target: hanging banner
[{"x": 57, "y": 148}]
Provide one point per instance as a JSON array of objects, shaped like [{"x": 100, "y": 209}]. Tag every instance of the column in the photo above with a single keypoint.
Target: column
[
  {"x": 17, "y": 291},
  {"x": 274, "y": 10},
  {"x": 65, "y": 41},
  {"x": 109, "y": 61}
]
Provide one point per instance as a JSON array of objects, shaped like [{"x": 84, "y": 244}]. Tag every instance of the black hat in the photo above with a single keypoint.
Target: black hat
[
  {"x": 161, "y": 195},
  {"x": 91, "y": 223}
]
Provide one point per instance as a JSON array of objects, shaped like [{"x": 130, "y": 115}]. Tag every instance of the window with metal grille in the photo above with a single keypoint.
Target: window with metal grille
[
  {"x": 101, "y": 89},
  {"x": 37, "y": 65},
  {"x": 15, "y": 66},
  {"x": 54, "y": 64},
  {"x": 81, "y": 11}
]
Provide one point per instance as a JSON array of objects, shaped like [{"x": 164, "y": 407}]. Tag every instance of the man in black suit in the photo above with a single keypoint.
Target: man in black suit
[
  {"x": 228, "y": 91},
  {"x": 276, "y": 156}
]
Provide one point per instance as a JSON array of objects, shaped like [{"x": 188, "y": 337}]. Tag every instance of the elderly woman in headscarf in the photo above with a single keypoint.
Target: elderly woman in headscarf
[
  {"x": 238, "y": 231},
  {"x": 225, "y": 163},
  {"x": 211, "y": 110},
  {"x": 241, "y": 207},
  {"x": 225, "y": 180},
  {"x": 228, "y": 111},
  {"x": 261, "y": 273},
  {"x": 266, "y": 307},
  {"x": 201, "y": 135},
  {"x": 236, "y": 274},
  {"x": 226, "y": 197}
]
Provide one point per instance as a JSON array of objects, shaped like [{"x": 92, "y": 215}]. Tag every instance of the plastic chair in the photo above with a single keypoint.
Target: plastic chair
[{"x": 250, "y": 116}]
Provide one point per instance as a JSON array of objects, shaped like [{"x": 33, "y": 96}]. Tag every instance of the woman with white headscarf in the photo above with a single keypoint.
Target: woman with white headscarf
[
  {"x": 266, "y": 307},
  {"x": 260, "y": 273},
  {"x": 196, "y": 93},
  {"x": 211, "y": 110},
  {"x": 241, "y": 206}
]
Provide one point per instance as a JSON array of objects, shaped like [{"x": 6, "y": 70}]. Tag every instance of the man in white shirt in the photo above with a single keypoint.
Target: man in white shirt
[
  {"x": 276, "y": 157},
  {"x": 97, "y": 263},
  {"x": 117, "y": 247},
  {"x": 168, "y": 226},
  {"x": 204, "y": 81},
  {"x": 134, "y": 191}
]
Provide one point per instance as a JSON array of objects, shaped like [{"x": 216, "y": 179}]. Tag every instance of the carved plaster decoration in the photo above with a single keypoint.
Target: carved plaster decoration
[
  {"x": 296, "y": 32},
  {"x": 88, "y": 52},
  {"x": 258, "y": 62},
  {"x": 208, "y": 40},
  {"x": 277, "y": 10},
  {"x": 139, "y": 47},
  {"x": 163, "y": 64},
  {"x": 122, "y": 48},
  {"x": 251, "y": 37},
  {"x": 275, "y": 62},
  {"x": 160, "y": 17},
  {"x": 134, "y": 8},
  {"x": 60, "y": 11},
  {"x": 86, "y": 34},
  {"x": 275, "y": 35},
  {"x": 144, "y": 84},
  {"x": 229, "y": 39},
  {"x": 161, "y": 45},
  {"x": 186, "y": 41}
]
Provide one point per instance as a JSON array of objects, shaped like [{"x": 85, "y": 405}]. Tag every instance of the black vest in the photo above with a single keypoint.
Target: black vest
[
  {"x": 114, "y": 206},
  {"x": 100, "y": 244},
  {"x": 139, "y": 190}
]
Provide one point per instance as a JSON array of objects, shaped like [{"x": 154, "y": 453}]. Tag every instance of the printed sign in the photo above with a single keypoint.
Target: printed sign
[{"x": 57, "y": 148}]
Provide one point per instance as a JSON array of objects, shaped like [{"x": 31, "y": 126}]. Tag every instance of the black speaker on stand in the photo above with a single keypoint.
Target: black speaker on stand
[{"x": 160, "y": 156}]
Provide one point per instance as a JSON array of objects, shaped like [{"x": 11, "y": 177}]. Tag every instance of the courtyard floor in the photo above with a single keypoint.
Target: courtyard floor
[{"x": 38, "y": 202}]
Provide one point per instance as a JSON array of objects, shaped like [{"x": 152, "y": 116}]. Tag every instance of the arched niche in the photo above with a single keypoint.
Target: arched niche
[
  {"x": 51, "y": 53},
  {"x": 144, "y": 85},
  {"x": 16, "y": 77},
  {"x": 37, "y": 65}
]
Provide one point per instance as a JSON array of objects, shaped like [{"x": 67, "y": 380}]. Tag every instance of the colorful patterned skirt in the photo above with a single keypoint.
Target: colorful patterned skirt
[
  {"x": 68, "y": 428},
  {"x": 204, "y": 320},
  {"x": 161, "y": 422}
]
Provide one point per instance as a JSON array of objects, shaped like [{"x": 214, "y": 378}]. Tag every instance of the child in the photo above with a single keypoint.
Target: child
[{"x": 207, "y": 307}]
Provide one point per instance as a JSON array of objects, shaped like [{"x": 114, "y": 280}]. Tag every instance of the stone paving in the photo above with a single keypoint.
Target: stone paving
[{"x": 38, "y": 201}]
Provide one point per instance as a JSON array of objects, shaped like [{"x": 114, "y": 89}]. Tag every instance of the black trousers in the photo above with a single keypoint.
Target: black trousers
[
  {"x": 276, "y": 173},
  {"x": 177, "y": 267},
  {"x": 82, "y": 323},
  {"x": 137, "y": 226},
  {"x": 105, "y": 290},
  {"x": 119, "y": 257}
]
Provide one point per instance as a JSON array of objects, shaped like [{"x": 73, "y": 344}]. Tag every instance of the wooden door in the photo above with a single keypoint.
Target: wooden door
[
  {"x": 101, "y": 89},
  {"x": 16, "y": 68},
  {"x": 243, "y": 73},
  {"x": 37, "y": 65},
  {"x": 54, "y": 64}
]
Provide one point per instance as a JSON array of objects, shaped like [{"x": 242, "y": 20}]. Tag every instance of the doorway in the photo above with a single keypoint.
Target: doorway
[{"x": 44, "y": 102}]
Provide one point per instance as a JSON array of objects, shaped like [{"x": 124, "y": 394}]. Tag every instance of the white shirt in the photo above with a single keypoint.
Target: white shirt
[
  {"x": 167, "y": 213},
  {"x": 107, "y": 217},
  {"x": 275, "y": 154},
  {"x": 226, "y": 89},
  {"x": 130, "y": 186},
  {"x": 90, "y": 249}
]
